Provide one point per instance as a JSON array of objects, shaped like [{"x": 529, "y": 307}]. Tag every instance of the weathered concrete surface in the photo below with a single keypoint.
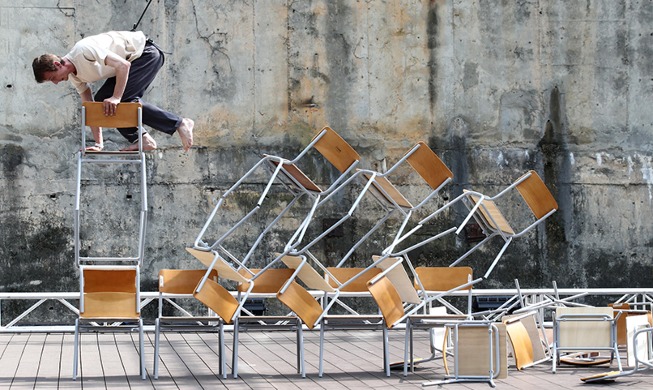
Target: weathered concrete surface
[{"x": 495, "y": 88}]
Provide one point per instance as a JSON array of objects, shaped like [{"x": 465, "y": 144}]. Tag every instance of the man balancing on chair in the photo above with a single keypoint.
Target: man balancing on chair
[{"x": 129, "y": 62}]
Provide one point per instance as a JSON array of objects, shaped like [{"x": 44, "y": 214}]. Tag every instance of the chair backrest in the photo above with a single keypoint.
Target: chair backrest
[
  {"x": 294, "y": 174},
  {"x": 225, "y": 270},
  {"x": 126, "y": 115},
  {"x": 399, "y": 279},
  {"x": 307, "y": 274},
  {"x": 182, "y": 281},
  {"x": 537, "y": 195},
  {"x": 218, "y": 299},
  {"x": 387, "y": 298},
  {"x": 335, "y": 149},
  {"x": 110, "y": 293},
  {"x": 343, "y": 275},
  {"x": 522, "y": 346},
  {"x": 302, "y": 303},
  {"x": 429, "y": 166},
  {"x": 443, "y": 278},
  {"x": 267, "y": 282}
]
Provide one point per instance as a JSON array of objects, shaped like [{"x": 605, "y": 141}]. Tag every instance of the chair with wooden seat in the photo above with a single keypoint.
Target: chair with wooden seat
[
  {"x": 127, "y": 115},
  {"x": 333, "y": 285},
  {"x": 176, "y": 285},
  {"x": 527, "y": 338},
  {"x": 288, "y": 180},
  {"x": 267, "y": 284},
  {"x": 431, "y": 171},
  {"x": 486, "y": 211},
  {"x": 109, "y": 301}
]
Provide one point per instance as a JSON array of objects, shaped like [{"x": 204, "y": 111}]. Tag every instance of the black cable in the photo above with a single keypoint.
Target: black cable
[{"x": 143, "y": 14}]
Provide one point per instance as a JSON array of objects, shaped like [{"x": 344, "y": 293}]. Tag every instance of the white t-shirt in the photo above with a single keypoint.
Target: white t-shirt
[{"x": 88, "y": 55}]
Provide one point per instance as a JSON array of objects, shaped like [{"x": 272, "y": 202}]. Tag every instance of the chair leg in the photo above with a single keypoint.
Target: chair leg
[
  {"x": 234, "y": 356},
  {"x": 76, "y": 349},
  {"x": 300, "y": 349},
  {"x": 386, "y": 351},
  {"x": 223, "y": 369},
  {"x": 408, "y": 347},
  {"x": 141, "y": 346},
  {"x": 321, "y": 363},
  {"x": 157, "y": 336}
]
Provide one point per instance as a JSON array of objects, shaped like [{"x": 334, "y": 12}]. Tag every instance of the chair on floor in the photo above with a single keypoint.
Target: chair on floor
[
  {"x": 584, "y": 329},
  {"x": 267, "y": 285},
  {"x": 474, "y": 360},
  {"x": 176, "y": 285},
  {"x": 528, "y": 339},
  {"x": 109, "y": 301},
  {"x": 335, "y": 284}
]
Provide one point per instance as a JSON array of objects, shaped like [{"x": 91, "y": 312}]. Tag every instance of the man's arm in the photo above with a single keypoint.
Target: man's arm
[
  {"x": 97, "y": 131},
  {"x": 121, "y": 66}
]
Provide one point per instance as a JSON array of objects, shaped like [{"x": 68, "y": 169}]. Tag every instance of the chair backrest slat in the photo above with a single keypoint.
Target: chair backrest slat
[
  {"x": 182, "y": 281},
  {"x": 126, "y": 115},
  {"x": 336, "y": 150},
  {"x": 537, "y": 195},
  {"x": 218, "y": 299},
  {"x": 267, "y": 282},
  {"x": 443, "y": 278},
  {"x": 302, "y": 303},
  {"x": 429, "y": 166},
  {"x": 343, "y": 275},
  {"x": 387, "y": 298},
  {"x": 115, "y": 280}
]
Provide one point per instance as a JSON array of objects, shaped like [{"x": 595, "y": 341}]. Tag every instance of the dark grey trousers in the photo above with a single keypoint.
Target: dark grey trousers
[{"x": 142, "y": 72}]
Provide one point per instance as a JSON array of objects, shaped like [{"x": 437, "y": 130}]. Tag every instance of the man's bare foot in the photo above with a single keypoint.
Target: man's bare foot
[
  {"x": 148, "y": 144},
  {"x": 185, "y": 131}
]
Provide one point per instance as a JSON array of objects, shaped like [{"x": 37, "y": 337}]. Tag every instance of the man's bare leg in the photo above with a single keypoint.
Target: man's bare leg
[
  {"x": 185, "y": 131},
  {"x": 148, "y": 144}
]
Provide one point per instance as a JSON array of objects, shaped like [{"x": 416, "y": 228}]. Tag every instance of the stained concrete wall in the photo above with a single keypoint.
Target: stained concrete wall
[{"x": 495, "y": 88}]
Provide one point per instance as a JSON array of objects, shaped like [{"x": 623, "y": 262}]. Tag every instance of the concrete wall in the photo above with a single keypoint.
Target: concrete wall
[{"x": 494, "y": 87}]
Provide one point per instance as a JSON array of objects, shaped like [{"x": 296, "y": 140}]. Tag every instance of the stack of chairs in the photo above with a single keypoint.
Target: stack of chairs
[
  {"x": 403, "y": 294},
  {"x": 109, "y": 278}
]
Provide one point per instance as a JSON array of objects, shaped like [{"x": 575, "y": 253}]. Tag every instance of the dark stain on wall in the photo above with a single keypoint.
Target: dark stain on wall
[
  {"x": 432, "y": 26},
  {"x": 557, "y": 176}
]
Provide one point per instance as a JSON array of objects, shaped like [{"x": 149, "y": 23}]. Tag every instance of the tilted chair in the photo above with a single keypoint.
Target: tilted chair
[
  {"x": 176, "y": 285},
  {"x": 287, "y": 175},
  {"x": 485, "y": 210},
  {"x": 109, "y": 301}
]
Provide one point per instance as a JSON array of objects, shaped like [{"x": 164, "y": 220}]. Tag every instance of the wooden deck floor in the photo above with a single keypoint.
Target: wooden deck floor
[{"x": 353, "y": 360}]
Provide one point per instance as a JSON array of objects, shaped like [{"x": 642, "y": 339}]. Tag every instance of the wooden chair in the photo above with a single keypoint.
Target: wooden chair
[
  {"x": 528, "y": 340},
  {"x": 479, "y": 346},
  {"x": 109, "y": 302},
  {"x": 176, "y": 285},
  {"x": 334, "y": 284},
  {"x": 485, "y": 210},
  {"x": 127, "y": 115},
  {"x": 285, "y": 174},
  {"x": 267, "y": 285}
]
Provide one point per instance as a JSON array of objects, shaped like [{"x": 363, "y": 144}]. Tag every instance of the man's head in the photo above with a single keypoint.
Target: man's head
[{"x": 49, "y": 67}]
